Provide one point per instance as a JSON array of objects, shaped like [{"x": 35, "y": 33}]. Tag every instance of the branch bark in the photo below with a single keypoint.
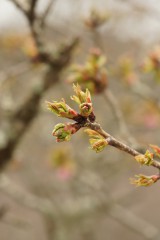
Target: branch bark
[{"x": 116, "y": 143}]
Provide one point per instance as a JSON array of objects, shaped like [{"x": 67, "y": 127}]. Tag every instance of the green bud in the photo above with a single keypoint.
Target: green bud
[
  {"x": 98, "y": 145},
  {"x": 97, "y": 141},
  {"x": 145, "y": 159},
  {"x": 61, "y": 133},
  {"x": 142, "y": 180},
  {"x": 86, "y": 109},
  {"x": 61, "y": 109},
  {"x": 81, "y": 97}
]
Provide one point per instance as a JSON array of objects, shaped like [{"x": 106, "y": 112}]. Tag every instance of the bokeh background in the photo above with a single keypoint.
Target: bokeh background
[{"x": 65, "y": 191}]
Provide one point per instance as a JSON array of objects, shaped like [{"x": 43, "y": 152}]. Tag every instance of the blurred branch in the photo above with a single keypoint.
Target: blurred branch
[
  {"x": 3, "y": 211},
  {"x": 22, "y": 118},
  {"x": 119, "y": 213},
  {"x": 22, "y": 5},
  {"x": 23, "y": 197},
  {"x": 33, "y": 20},
  {"x": 129, "y": 219},
  {"x": 74, "y": 208},
  {"x": 31, "y": 12},
  {"x": 144, "y": 91},
  {"x": 42, "y": 20},
  {"x": 13, "y": 71},
  {"x": 111, "y": 100}
]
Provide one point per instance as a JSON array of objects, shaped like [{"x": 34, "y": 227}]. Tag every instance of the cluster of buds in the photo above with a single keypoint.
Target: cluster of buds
[
  {"x": 96, "y": 19},
  {"x": 63, "y": 131},
  {"x": 97, "y": 137},
  {"x": 148, "y": 158},
  {"x": 152, "y": 63},
  {"x": 83, "y": 99},
  {"x": 126, "y": 70},
  {"x": 142, "y": 180},
  {"x": 97, "y": 141},
  {"x": 145, "y": 159},
  {"x": 93, "y": 74}
]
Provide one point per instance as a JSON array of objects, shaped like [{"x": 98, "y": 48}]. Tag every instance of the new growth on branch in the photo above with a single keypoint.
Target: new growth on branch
[{"x": 98, "y": 138}]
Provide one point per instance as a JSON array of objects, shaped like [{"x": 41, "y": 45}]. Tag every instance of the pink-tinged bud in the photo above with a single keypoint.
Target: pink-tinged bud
[
  {"x": 156, "y": 150},
  {"x": 61, "y": 109},
  {"x": 81, "y": 96},
  {"x": 152, "y": 63},
  {"x": 97, "y": 142},
  {"x": 84, "y": 101},
  {"x": 85, "y": 109},
  {"x": 142, "y": 180},
  {"x": 72, "y": 127},
  {"x": 96, "y": 52},
  {"x": 63, "y": 132}
]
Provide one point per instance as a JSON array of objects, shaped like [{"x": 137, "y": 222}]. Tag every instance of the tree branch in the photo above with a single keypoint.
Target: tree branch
[
  {"x": 109, "y": 97},
  {"x": 22, "y": 5},
  {"x": 42, "y": 20},
  {"x": 145, "y": 92},
  {"x": 111, "y": 100},
  {"x": 22, "y": 118},
  {"x": 116, "y": 143}
]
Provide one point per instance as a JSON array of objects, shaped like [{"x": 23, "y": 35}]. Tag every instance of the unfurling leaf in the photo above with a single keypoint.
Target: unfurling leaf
[
  {"x": 61, "y": 109},
  {"x": 142, "y": 180},
  {"x": 81, "y": 96},
  {"x": 63, "y": 132},
  {"x": 145, "y": 159},
  {"x": 84, "y": 101},
  {"x": 156, "y": 150},
  {"x": 97, "y": 141}
]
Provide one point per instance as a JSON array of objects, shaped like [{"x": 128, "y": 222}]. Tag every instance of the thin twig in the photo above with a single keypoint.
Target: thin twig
[
  {"x": 116, "y": 143},
  {"x": 74, "y": 209},
  {"x": 42, "y": 20},
  {"x": 111, "y": 100},
  {"x": 145, "y": 92},
  {"x": 129, "y": 219},
  {"x": 109, "y": 97},
  {"x": 23, "y": 197}
]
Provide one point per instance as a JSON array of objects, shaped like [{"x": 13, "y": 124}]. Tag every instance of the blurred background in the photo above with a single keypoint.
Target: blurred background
[{"x": 66, "y": 191}]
